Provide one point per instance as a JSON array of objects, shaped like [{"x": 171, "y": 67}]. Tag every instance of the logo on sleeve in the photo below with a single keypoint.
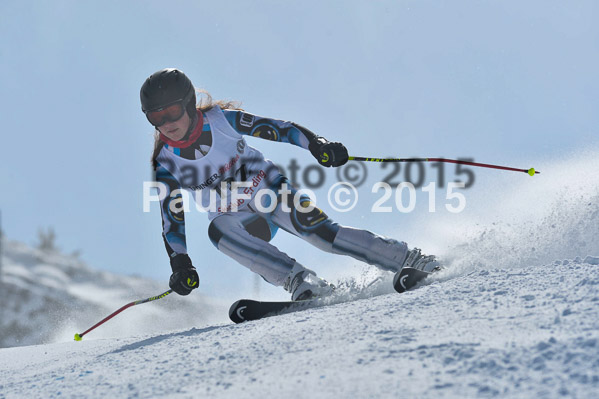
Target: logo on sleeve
[{"x": 246, "y": 120}]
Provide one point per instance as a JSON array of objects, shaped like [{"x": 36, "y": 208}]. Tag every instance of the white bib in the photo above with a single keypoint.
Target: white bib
[{"x": 229, "y": 159}]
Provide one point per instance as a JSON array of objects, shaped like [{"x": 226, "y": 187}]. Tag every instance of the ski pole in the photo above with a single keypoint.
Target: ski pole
[
  {"x": 530, "y": 171},
  {"x": 78, "y": 337}
]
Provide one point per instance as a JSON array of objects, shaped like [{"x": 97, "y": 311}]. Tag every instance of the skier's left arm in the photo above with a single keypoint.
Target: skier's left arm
[{"x": 326, "y": 152}]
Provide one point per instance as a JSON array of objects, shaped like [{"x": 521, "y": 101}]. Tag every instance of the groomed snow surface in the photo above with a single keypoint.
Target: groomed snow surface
[
  {"x": 504, "y": 319},
  {"x": 528, "y": 332}
]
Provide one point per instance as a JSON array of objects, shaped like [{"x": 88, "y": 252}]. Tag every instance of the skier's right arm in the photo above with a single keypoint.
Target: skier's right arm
[{"x": 184, "y": 277}]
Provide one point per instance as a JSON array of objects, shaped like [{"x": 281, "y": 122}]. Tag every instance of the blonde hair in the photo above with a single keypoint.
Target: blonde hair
[{"x": 205, "y": 104}]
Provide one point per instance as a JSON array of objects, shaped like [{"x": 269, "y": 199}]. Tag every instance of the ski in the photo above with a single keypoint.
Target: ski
[
  {"x": 248, "y": 309},
  {"x": 407, "y": 278}
]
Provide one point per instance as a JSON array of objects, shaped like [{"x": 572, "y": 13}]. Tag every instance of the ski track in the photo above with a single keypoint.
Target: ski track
[{"x": 526, "y": 332}]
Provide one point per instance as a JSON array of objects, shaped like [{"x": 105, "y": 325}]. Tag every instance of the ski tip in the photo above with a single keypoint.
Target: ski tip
[
  {"x": 407, "y": 278},
  {"x": 236, "y": 312},
  {"x": 396, "y": 282},
  {"x": 78, "y": 337}
]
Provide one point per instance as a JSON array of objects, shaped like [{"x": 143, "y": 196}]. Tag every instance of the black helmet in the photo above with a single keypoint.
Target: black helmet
[{"x": 166, "y": 87}]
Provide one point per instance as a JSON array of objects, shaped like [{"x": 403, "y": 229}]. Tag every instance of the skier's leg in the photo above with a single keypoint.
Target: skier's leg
[
  {"x": 319, "y": 230},
  {"x": 383, "y": 252},
  {"x": 229, "y": 234},
  {"x": 244, "y": 237}
]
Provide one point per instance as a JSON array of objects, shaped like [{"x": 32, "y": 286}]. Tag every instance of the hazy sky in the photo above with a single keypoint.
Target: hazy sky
[{"x": 507, "y": 82}]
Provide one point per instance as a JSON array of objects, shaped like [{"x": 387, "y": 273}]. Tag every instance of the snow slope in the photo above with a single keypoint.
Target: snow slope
[
  {"x": 515, "y": 314},
  {"x": 46, "y": 296},
  {"x": 508, "y": 333}
]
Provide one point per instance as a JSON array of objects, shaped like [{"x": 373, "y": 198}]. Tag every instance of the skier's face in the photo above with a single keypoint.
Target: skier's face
[{"x": 176, "y": 130}]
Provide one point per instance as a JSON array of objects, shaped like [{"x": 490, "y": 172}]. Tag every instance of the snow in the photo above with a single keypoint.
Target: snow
[
  {"x": 507, "y": 333},
  {"x": 515, "y": 314},
  {"x": 48, "y": 296}
]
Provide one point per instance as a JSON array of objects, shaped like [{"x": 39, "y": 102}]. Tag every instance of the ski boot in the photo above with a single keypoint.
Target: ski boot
[
  {"x": 304, "y": 284},
  {"x": 416, "y": 260}
]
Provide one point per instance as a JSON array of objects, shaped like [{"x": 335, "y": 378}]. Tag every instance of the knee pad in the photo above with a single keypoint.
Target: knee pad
[
  {"x": 306, "y": 221},
  {"x": 256, "y": 226},
  {"x": 259, "y": 228}
]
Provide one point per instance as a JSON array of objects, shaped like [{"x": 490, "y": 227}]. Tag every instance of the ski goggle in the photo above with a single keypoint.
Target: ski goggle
[{"x": 172, "y": 113}]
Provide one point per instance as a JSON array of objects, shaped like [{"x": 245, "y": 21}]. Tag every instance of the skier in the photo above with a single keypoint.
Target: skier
[{"x": 202, "y": 149}]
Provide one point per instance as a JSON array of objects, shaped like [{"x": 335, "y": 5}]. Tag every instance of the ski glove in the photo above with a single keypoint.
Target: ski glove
[
  {"x": 328, "y": 153},
  {"x": 185, "y": 277}
]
